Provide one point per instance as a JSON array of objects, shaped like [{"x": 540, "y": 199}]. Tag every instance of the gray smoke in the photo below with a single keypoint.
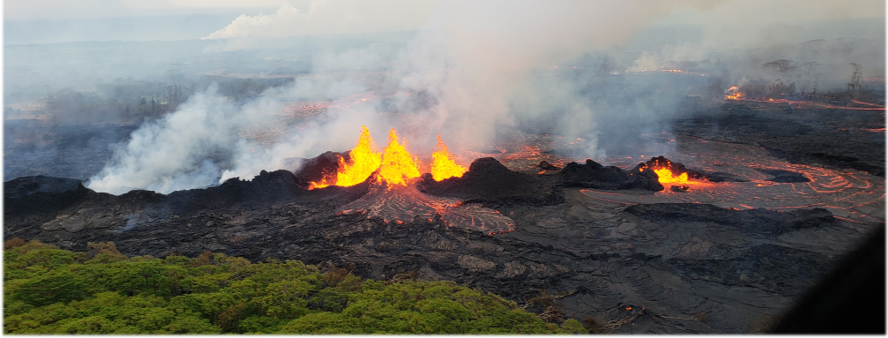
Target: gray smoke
[
  {"x": 202, "y": 144},
  {"x": 538, "y": 66}
]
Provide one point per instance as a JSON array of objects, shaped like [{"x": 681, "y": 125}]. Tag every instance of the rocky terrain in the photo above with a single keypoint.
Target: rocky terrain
[
  {"x": 654, "y": 268},
  {"x": 639, "y": 267},
  {"x": 834, "y": 138}
]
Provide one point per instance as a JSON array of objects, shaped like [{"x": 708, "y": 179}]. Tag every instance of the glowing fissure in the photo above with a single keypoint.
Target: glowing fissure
[
  {"x": 395, "y": 164},
  {"x": 734, "y": 93}
]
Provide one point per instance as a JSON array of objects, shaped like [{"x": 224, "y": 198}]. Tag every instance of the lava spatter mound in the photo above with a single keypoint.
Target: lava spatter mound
[
  {"x": 678, "y": 169},
  {"x": 403, "y": 204},
  {"x": 490, "y": 183},
  {"x": 594, "y": 175},
  {"x": 266, "y": 188},
  {"x": 675, "y": 168},
  {"x": 400, "y": 203},
  {"x": 317, "y": 168}
]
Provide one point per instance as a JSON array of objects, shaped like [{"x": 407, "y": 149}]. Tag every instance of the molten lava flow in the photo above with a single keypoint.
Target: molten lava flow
[
  {"x": 443, "y": 166},
  {"x": 665, "y": 176},
  {"x": 397, "y": 165},
  {"x": 364, "y": 161},
  {"x": 733, "y": 93}
]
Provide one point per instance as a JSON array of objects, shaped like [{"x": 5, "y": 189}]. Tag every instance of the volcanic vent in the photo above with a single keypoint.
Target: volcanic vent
[
  {"x": 599, "y": 239},
  {"x": 392, "y": 194}
]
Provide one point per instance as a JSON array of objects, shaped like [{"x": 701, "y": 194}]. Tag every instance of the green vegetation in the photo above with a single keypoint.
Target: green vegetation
[{"x": 48, "y": 290}]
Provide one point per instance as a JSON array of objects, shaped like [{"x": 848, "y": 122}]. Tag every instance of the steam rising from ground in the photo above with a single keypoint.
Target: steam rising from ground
[
  {"x": 200, "y": 144},
  {"x": 469, "y": 59},
  {"x": 475, "y": 60},
  {"x": 177, "y": 151},
  {"x": 470, "y": 67}
]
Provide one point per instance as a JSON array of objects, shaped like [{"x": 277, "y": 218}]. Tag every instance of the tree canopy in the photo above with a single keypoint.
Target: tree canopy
[{"x": 49, "y": 290}]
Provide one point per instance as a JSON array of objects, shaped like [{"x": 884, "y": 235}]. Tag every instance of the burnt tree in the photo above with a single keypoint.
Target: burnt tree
[{"x": 854, "y": 85}]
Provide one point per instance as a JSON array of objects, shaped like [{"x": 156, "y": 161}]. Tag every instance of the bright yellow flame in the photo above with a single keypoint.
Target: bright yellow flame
[
  {"x": 443, "y": 166},
  {"x": 397, "y": 165},
  {"x": 665, "y": 176},
  {"x": 363, "y": 162}
]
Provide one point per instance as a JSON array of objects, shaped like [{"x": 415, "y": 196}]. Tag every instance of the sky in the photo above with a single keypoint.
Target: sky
[{"x": 48, "y": 21}]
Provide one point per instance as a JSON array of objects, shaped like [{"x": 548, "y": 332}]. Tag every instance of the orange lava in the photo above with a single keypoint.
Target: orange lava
[
  {"x": 666, "y": 177},
  {"x": 733, "y": 93},
  {"x": 363, "y": 162},
  {"x": 395, "y": 165},
  {"x": 443, "y": 167},
  {"x": 846, "y": 193}
]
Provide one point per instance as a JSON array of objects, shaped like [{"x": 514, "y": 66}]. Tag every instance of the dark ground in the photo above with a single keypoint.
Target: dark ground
[
  {"x": 833, "y": 138},
  {"x": 33, "y": 147},
  {"x": 639, "y": 268}
]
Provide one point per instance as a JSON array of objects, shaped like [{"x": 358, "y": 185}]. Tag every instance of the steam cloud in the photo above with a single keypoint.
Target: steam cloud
[
  {"x": 470, "y": 67},
  {"x": 199, "y": 144},
  {"x": 330, "y": 17},
  {"x": 177, "y": 151}
]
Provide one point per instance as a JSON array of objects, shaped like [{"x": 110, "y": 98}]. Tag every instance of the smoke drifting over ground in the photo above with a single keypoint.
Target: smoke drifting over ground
[
  {"x": 591, "y": 71},
  {"x": 203, "y": 143},
  {"x": 468, "y": 62},
  {"x": 478, "y": 62},
  {"x": 181, "y": 149}
]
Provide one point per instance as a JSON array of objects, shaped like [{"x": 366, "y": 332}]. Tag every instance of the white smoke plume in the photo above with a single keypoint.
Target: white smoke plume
[
  {"x": 177, "y": 151},
  {"x": 470, "y": 67},
  {"x": 199, "y": 144},
  {"x": 472, "y": 58},
  {"x": 820, "y": 37},
  {"x": 330, "y": 17}
]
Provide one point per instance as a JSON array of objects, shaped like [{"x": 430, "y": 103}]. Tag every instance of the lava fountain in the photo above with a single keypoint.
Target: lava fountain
[
  {"x": 670, "y": 174},
  {"x": 392, "y": 197},
  {"x": 395, "y": 165},
  {"x": 443, "y": 166},
  {"x": 363, "y": 161}
]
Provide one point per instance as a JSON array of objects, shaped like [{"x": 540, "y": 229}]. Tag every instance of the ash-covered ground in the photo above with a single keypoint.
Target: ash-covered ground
[{"x": 788, "y": 193}]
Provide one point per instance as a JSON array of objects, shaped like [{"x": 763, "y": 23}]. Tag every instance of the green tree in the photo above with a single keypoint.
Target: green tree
[{"x": 49, "y": 291}]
